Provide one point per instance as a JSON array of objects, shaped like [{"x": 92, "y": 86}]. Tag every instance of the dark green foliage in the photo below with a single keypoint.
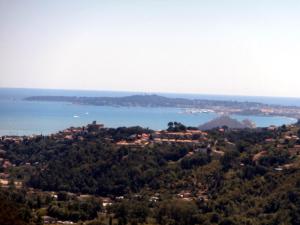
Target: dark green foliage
[
  {"x": 250, "y": 171},
  {"x": 177, "y": 212},
  {"x": 229, "y": 159},
  {"x": 222, "y": 189},
  {"x": 131, "y": 211},
  {"x": 75, "y": 210},
  {"x": 196, "y": 160},
  {"x": 275, "y": 158},
  {"x": 176, "y": 127},
  {"x": 13, "y": 210},
  {"x": 97, "y": 166}
]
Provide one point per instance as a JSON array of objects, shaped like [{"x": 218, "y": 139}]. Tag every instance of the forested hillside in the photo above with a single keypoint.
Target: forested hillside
[{"x": 178, "y": 176}]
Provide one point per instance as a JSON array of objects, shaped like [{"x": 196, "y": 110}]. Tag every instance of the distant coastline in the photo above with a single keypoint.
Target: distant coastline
[
  {"x": 27, "y": 92},
  {"x": 218, "y": 106},
  {"x": 19, "y": 117}
]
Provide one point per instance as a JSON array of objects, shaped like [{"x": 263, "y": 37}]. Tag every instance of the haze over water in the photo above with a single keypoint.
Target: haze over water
[{"x": 18, "y": 117}]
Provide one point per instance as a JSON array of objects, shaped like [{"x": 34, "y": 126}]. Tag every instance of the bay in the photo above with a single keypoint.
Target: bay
[{"x": 18, "y": 117}]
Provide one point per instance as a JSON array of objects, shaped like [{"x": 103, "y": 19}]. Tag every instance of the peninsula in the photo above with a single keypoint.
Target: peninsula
[{"x": 221, "y": 107}]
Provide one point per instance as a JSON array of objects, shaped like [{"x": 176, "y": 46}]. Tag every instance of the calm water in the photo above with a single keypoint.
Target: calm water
[{"x": 18, "y": 117}]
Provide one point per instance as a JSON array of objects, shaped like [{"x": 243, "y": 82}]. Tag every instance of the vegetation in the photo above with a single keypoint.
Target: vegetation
[{"x": 248, "y": 176}]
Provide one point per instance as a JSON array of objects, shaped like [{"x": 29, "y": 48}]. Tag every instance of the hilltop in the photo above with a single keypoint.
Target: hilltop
[{"x": 226, "y": 121}]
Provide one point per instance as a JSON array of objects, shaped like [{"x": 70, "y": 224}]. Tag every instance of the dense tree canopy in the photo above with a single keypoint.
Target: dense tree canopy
[{"x": 237, "y": 178}]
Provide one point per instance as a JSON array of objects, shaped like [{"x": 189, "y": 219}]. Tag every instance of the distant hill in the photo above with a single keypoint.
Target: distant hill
[
  {"x": 228, "y": 107},
  {"x": 228, "y": 122},
  {"x": 145, "y": 100}
]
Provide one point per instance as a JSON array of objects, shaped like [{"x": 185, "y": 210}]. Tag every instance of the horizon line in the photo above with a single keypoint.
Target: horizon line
[{"x": 149, "y": 92}]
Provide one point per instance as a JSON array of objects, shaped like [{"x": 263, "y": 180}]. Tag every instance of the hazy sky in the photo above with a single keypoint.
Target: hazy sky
[{"x": 245, "y": 47}]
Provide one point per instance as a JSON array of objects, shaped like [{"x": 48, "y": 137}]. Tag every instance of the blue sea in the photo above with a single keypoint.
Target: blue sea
[{"x": 18, "y": 117}]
